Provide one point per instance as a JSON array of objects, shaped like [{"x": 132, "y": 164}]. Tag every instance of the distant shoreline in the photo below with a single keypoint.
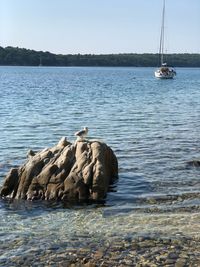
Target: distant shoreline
[
  {"x": 14, "y": 56},
  {"x": 29, "y": 66}
]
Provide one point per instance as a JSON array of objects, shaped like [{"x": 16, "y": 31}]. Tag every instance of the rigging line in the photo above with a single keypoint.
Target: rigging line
[{"x": 161, "y": 50}]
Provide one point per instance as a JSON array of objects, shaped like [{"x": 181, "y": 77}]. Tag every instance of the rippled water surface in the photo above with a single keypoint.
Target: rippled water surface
[{"x": 153, "y": 127}]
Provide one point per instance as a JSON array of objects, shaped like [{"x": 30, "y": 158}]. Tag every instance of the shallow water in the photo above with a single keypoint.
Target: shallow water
[{"x": 153, "y": 127}]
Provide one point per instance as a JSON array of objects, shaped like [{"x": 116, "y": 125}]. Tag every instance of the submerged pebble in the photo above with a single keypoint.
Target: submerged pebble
[{"x": 121, "y": 252}]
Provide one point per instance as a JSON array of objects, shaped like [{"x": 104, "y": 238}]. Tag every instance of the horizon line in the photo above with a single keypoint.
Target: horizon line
[{"x": 99, "y": 54}]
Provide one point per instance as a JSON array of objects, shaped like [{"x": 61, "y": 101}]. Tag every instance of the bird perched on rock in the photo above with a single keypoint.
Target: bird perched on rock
[{"x": 82, "y": 133}]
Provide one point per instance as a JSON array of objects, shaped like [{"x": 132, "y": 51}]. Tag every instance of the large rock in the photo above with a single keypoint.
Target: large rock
[{"x": 80, "y": 171}]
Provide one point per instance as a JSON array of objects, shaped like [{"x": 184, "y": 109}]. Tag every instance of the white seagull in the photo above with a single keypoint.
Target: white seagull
[{"x": 82, "y": 133}]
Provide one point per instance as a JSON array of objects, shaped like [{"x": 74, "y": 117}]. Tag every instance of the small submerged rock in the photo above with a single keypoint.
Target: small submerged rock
[
  {"x": 194, "y": 163},
  {"x": 80, "y": 171}
]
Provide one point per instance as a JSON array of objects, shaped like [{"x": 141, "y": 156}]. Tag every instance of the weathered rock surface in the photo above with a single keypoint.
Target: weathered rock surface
[{"x": 79, "y": 171}]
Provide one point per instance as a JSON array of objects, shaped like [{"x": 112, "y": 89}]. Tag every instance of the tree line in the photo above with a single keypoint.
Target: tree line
[{"x": 14, "y": 56}]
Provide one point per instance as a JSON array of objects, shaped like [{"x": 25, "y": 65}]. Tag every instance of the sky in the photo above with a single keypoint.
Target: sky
[{"x": 100, "y": 26}]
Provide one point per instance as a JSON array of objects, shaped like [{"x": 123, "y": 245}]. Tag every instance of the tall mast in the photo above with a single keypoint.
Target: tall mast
[{"x": 161, "y": 50}]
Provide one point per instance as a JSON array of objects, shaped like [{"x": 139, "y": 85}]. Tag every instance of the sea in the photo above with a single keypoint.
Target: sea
[{"x": 153, "y": 127}]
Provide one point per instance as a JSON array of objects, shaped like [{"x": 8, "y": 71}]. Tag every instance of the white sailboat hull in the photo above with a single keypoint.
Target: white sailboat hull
[{"x": 167, "y": 74}]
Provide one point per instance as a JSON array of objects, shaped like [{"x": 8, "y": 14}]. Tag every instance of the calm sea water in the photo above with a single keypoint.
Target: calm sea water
[{"x": 153, "y": 127}]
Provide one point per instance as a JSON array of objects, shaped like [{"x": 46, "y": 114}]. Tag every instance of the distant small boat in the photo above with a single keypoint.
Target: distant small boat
[
  {"x": 40, "y": 64},
  {"x": 164, "y": 71}
]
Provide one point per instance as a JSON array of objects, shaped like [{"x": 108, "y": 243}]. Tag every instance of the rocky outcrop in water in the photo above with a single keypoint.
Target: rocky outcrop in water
[{"x": 80, "y": 171}]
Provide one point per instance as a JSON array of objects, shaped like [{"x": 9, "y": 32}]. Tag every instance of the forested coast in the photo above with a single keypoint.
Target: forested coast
[{"x": 15, "y": 56}]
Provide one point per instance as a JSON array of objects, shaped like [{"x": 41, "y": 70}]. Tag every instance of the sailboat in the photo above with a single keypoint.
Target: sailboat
[
  {"x": 164, "y": 71},
  {"x": 40, "y": 64}
]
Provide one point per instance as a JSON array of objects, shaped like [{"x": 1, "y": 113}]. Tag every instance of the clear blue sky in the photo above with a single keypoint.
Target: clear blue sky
[{"x": 99, "y": 26}]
